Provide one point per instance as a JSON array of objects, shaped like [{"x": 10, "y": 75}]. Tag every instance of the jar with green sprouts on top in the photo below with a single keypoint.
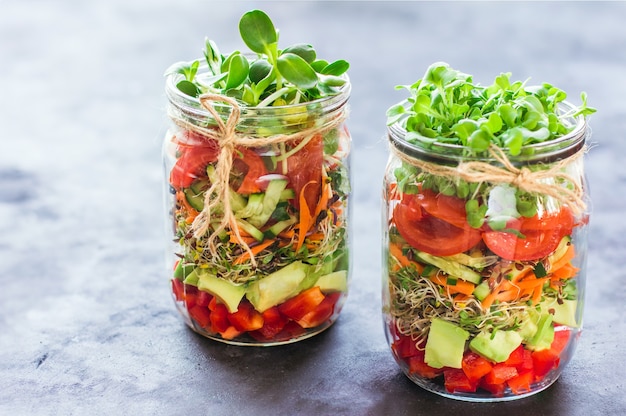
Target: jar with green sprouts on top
[
  {"x": 257, "y": 188},
  {"x": 485, "y": 235}
]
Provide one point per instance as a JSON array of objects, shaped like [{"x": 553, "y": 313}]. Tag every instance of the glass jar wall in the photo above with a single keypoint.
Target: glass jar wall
[
  {"x": 258, "y": 218},
  {"x": 483, "y": 269}
]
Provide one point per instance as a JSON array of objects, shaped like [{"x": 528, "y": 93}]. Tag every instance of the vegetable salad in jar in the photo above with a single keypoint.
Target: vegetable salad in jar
[
  {"x": 485, "y": 223},
  {"x": 257, "y": 165}
]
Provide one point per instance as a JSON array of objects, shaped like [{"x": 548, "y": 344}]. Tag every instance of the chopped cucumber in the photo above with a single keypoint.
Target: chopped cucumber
[{"x": 251, "y": 229}]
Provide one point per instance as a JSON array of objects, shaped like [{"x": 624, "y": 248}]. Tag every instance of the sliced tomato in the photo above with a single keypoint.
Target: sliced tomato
[
  {"x": 196, "y": 153},
  {"x": 448, "y": 208},
  {"x": 306, "y": 166},
  {"x": 539, "y": 236},
  {"x": 430, "y": 234},
  {"x": 252, "y": 166}
]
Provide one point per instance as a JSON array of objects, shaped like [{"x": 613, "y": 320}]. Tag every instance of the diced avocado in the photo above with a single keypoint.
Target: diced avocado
[
  {"x": 191, "y": 279},
  {"x": 544, "y": 336},
  {"x": 474, "y": 261},
  {"x": 229, "y": 293},
  {"x": 270, "y": 200},
  {"x": 482, "y": 290},
  {"x": 445, "y": 344},
  {"x": 183, "y": 269},
  {"x": 333, "y": 282},
  {"x": 276, "y": 287},
  {"x": 528, "y": 325},
  {"x": 451, "y": 267},
  {"x": 563, "y": 313},
  {"x": 314, "y": 273},
  {"x": 251, "y": 229},
  {"x": 496, "y": 346}
]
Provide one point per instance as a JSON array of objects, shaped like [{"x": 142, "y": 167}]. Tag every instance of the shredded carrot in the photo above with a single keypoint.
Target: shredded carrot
[
  {"x": 537, "y": 295},
  {"x": 531, "y": 283},
  {"x": 254, "y": 249},
  {"x": 287, "y": 234},
  {"x": 191, "y": 212},
  {"x": 565, "y": 258},
  {"x": 566, "y": 272},
  {"x": 491, "y": 297},
  {"x": 461, "y": 286},
  {"x": 246, "y": 238},
  {"x": 306, "y": 220},
  {"x": 326, "y": 193},
  {"x": 404, "y": 261}
]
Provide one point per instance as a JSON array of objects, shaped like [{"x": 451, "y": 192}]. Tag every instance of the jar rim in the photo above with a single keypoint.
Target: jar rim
[
  {"x": 447, "y": 153},
  {"x": 179, "y": 98}
]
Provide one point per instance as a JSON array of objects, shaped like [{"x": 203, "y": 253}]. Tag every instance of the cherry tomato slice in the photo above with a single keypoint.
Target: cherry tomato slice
[
  {"x": 306, "y": 166},
  {"x": 448, "y": 208},
  {"x": 432, "y": 235},
  {"x": 541, "y": 236},
  {"x": 196, "y": 154}
]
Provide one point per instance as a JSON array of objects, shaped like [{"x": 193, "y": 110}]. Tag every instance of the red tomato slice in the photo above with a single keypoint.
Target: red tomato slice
[
  {"x": 432, "y": 235},
  {"x": 447, "y": 208},
  {"x": 255, "y": 168},
  {"x": 306, "y": 166},
  {"x": 196, "y": 154},
  {"x": 541, "y": 237}
]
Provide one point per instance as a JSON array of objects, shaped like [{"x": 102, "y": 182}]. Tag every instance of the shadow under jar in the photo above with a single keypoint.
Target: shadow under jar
[
  {"x": 258, "y": 216},
  {"x": 491, "y": 309}
]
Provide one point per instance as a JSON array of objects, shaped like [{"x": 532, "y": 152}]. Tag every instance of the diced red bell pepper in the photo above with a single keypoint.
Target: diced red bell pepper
[
  {"x": 516, "y": 357},
  {"x": 495, "y": 389},
  {"x": 291, "y": 330},
  {"x": 201, "y": 315},
  {"x": 301, "y": 304},
  {"x": 500, "y": 373},
  {"x": 190, "y": 295},
  {"x": 521, "y": 382},
  {"x": 475, "y": 367},
  {"x": 321, "y": 313},
  {"x": 246, "y": 318},
  {"x": 273, "y": 323},
  {"x": 219, "y": 316},
  {"x": 546, "y": 360},
  {"x": 203, "y": 298},
  {"x": 419, "y": 367},
  {"x": 455, "y": 380},
  {"x": 178, "y": 289},
  {"x": 405, "y": 347}
]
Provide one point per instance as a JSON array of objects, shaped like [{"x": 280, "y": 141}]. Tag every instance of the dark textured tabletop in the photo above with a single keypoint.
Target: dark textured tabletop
[{"x": 87, "y": 325}]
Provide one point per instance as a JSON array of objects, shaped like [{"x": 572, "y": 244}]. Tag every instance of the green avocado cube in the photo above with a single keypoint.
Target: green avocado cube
[{"x": 445, "y": 344}]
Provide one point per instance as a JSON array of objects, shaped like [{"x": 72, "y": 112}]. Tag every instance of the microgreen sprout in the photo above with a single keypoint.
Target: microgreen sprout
[
  {"x": 269, "y": 76},
  {"x": 446, "y": 106}
]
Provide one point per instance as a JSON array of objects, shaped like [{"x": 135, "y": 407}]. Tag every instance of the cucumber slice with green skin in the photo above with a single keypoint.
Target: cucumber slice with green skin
[
  {"x": 271, "y": 197},
  {"x": 196, "y": 201},
  {"x": 251, "y": 229},
  {"x": 237, "y": 202},
  {"x": 280, "y": 226}
]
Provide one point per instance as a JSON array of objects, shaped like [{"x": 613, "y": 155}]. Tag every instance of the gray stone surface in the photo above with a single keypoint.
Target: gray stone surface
[{"x": 87, "y": 325}]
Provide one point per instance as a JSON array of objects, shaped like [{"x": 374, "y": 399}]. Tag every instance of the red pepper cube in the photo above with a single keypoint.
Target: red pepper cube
[
  {"x": 419, "y": 367},
  {"x": 273, "y": 323},
  {"x": 321, "y": 313},
  {"x": 521, "y": 382},
  {"x": 500, "y": 373},
  {"x": 246, "y": 318},
  {"x": 219, "y": 316},
  {"x": 475, "y": 366},
  {"x": 178, "y": 289},
  {"x": 301, "y": 304},
  {"x": 201, "y": 315},
  {"x": 455, "y": 380}
]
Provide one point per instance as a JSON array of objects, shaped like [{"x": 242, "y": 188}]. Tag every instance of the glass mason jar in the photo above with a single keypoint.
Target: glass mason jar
[
  {"x": 258, "y": 216},
  {"x": 484, "y": 264}
]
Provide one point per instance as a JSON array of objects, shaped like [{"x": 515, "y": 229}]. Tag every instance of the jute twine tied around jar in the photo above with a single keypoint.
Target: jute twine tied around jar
[
  {"x": 547, "y": 182},
  {"x": 228, "y": 138}
]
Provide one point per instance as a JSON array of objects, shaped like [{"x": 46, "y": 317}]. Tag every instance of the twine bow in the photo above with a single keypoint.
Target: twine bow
[
  {"x": 229, "y": 139},
  {"x": 553, "y": 182}
]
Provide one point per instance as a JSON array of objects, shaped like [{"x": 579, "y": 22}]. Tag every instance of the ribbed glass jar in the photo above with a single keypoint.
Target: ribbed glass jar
[
  {"x": 269, "y": 263},
  {"x": 490, "y": 311}
]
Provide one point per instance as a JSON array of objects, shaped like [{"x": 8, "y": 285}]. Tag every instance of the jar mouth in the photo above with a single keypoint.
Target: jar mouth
[
  {"x": 446, "y": 153},
  {"x": 282, "y": 118}
]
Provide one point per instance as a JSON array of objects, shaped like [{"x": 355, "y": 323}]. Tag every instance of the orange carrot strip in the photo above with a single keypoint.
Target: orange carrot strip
[
  {"x": 566, "y": 258},
  {"x": 566, "y": 272},
  {"x": 254, "y": 249},
  {"x": 491, "y": 297},
  {"x": 537, "y": 295},
  {"x": 404, "y": 261},
  {"x": 461, "y": 286},
  {"x": 306, "y": 220},
  {"x": 323, "y": 202},
  {"x": 531, "y": 283}
]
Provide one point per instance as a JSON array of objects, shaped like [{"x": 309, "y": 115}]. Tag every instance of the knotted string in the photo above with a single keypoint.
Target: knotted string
[
  {"x": 543, "y": 181},
  {"x": 229, "y": 139}
]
